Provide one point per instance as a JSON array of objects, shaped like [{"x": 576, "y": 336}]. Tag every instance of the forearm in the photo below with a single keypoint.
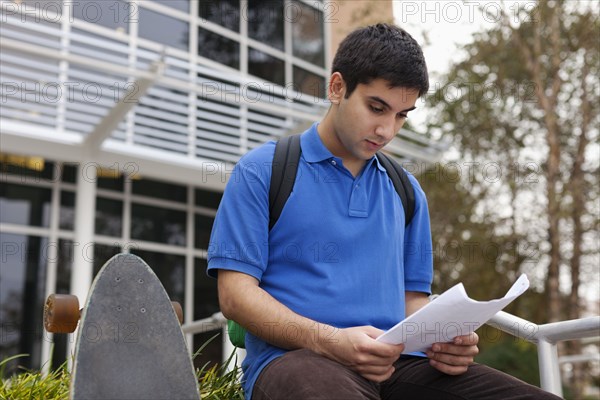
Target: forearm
[
  {"x": 243, "y": 301},
  {"x": 414, "y": 301}
]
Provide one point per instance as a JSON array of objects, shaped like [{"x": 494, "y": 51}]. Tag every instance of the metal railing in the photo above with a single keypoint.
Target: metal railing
[{"x": 545, "y": 336}]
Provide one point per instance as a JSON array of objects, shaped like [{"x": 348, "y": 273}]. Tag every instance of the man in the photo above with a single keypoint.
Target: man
[{"x": 335, "y": 271}]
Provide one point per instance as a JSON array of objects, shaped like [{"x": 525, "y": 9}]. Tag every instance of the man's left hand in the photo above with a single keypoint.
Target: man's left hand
[{"x": 454, "y": 358}]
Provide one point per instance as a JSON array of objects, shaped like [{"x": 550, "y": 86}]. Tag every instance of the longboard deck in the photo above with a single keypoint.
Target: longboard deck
[{"x": 130, "y": 344}]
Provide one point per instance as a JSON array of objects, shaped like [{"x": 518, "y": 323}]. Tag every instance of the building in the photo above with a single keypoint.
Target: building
[{"x": 121, "y": 121}]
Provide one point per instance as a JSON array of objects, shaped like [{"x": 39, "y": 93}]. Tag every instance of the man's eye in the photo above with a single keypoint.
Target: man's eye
[
  {"x": 376, "y": 110},
  {"x": 403, "y": 116}
]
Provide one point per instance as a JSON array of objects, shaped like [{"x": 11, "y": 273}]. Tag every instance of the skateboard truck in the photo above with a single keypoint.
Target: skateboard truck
[{"x": 62, "y": 313}]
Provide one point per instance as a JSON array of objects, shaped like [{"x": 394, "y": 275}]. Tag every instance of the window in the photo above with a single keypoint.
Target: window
[
  {"x": 307, "y": 40},
  {"x": 222, "y": 12},
  {"x": 265, "y": 22},
  {"x": 218, "y": 48},
  {"x": 27, "y": 167},
  {"x": 161, "y": 190},
  {"x": 156, "y": 224},
  {"x": 266, "y": 67},
  {"x": 108, "y": 217},
  {"x": 66, "y": 216},
  {"x": 163, "y": 29},
  {"x": 206, "y": 198},
  {"x": 114, "y": 14},
  {"x": 24, "y": 205},
  {"x": 202, "y": 231},
  {"x": 309, "y": 83},
  {"x": 22, "y": 289}
]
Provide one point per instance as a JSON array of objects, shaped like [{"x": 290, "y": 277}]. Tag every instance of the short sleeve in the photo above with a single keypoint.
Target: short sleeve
[{"x": 239, "y": 238}]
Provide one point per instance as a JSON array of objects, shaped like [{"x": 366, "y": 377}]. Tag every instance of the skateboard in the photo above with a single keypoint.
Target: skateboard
[{"x": 129, "y": 344}]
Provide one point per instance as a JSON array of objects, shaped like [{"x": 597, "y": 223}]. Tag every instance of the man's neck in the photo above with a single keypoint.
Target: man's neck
[{"x": 331, "y": 141}]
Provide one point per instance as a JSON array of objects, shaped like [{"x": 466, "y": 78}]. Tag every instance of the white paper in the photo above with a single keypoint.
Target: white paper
[{"x": 451, "y": 314}]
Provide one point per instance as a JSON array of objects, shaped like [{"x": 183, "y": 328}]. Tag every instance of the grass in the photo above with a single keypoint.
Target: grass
[
  {"x": 221, "y": 381},
  {"x": 33, "y": 384}
]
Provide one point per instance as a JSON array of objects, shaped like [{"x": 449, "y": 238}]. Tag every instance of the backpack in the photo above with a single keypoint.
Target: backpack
[{"x": 283, "y": 176}]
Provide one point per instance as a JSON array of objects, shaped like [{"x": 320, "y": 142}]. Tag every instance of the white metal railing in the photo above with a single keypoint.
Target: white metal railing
[{"x": 545, "y": 336}]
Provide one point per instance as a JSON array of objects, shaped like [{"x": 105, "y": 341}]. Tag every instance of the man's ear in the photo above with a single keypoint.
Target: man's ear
[{"x": 337, "y": 88}]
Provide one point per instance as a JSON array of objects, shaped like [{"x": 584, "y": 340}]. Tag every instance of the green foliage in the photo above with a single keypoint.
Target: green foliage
[
  {"x": 220, "y": 381},
  {"x": 215, "y": 383},
  {"x": 34, "y": 385},
  {"x": 508, "y": 354}
]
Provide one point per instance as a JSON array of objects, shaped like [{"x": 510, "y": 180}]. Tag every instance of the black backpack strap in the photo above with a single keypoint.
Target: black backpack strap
[
  {"x": 283, "y": 174},
  {"x": 401, "y": 184}
]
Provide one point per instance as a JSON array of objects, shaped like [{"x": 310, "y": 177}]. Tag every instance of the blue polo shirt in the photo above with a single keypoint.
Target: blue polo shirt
[{"x": 339, "y": 253}]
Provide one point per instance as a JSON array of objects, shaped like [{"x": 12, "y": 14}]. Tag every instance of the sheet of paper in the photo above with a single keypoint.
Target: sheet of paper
[{"x": 451, "y": 314}]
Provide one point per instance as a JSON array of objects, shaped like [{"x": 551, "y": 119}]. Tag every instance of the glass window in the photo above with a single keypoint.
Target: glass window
[
  {"x": 265, "y": 22},
  {"x": 218, "y": 48},
  {"x": 205, "y": 198},
  {"x": 22, "y": 291},
  {"x": 111, "y": 181},
  {"x": 266, "y": 67},
  {"x": 169, "y": 268},
  {"x": 24, "y": 205},
  {"x": 108, "y": 217},
  {"x": 29, "y": 169},
  {"x": 307, "y": 39},
  {"x": 309, "y": 83},
  {"x": 163, "y": 29},
  {"x": 183, "y": 5},
  {"x": 160, "y": 190},
  {"x": 114, "y": 14},
  {"x": 66, "y": 215},
  {"x": 69, "y": 173},
  {"x": 202, "y": 232},
  {"x": 222, "y": 12},
  {"x": 206, "y": 303},
  {"x": 158, "y": 224}
]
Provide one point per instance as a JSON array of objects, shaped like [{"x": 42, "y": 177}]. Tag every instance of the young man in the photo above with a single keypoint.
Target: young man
[{"x": 334, "y": 272}]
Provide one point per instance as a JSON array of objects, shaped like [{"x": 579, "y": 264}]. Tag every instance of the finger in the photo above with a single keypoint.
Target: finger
[
  {"x": 451, "y": 348},
  {"x": 384, "y": 350},
  {"x": 451, "y": 359},
  {"x": 467, "y": 340},
  {"x": 448, "y": 369}
]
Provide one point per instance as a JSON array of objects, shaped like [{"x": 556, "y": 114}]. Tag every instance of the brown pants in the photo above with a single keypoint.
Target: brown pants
[{"x": 304, "y": 375}]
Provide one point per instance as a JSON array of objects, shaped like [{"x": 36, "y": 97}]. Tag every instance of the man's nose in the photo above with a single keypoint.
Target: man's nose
[{"x": 387, "y": 129}]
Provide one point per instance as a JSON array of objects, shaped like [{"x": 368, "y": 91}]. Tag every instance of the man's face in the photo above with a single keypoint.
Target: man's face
[{"x": 370, "y": 118}]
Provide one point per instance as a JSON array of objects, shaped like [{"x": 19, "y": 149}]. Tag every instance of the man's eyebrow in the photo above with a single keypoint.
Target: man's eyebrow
[{"x": 386, "y": 105}]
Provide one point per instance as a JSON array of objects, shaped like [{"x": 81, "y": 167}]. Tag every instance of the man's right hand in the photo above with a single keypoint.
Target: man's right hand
[{"x": 357, "y": 349}]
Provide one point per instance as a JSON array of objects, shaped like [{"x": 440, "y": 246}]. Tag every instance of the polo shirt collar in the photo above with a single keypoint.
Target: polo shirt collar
[{"x": 313, "y": 149}]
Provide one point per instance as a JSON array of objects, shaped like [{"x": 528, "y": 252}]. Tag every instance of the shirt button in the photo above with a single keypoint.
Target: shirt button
[{"x": 333, "y": 162}]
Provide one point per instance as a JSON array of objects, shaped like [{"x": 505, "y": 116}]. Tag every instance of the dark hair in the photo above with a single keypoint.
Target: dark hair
[{"x": 381, "y": 51}]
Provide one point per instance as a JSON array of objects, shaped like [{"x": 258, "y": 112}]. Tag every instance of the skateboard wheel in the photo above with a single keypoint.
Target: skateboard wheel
[
  {"x": 61, "y": 313},
  {"x": 178, "y": 311}
]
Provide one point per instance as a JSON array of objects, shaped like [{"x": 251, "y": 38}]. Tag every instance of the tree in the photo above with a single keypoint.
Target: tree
[{"x": 523, "y": 112}]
